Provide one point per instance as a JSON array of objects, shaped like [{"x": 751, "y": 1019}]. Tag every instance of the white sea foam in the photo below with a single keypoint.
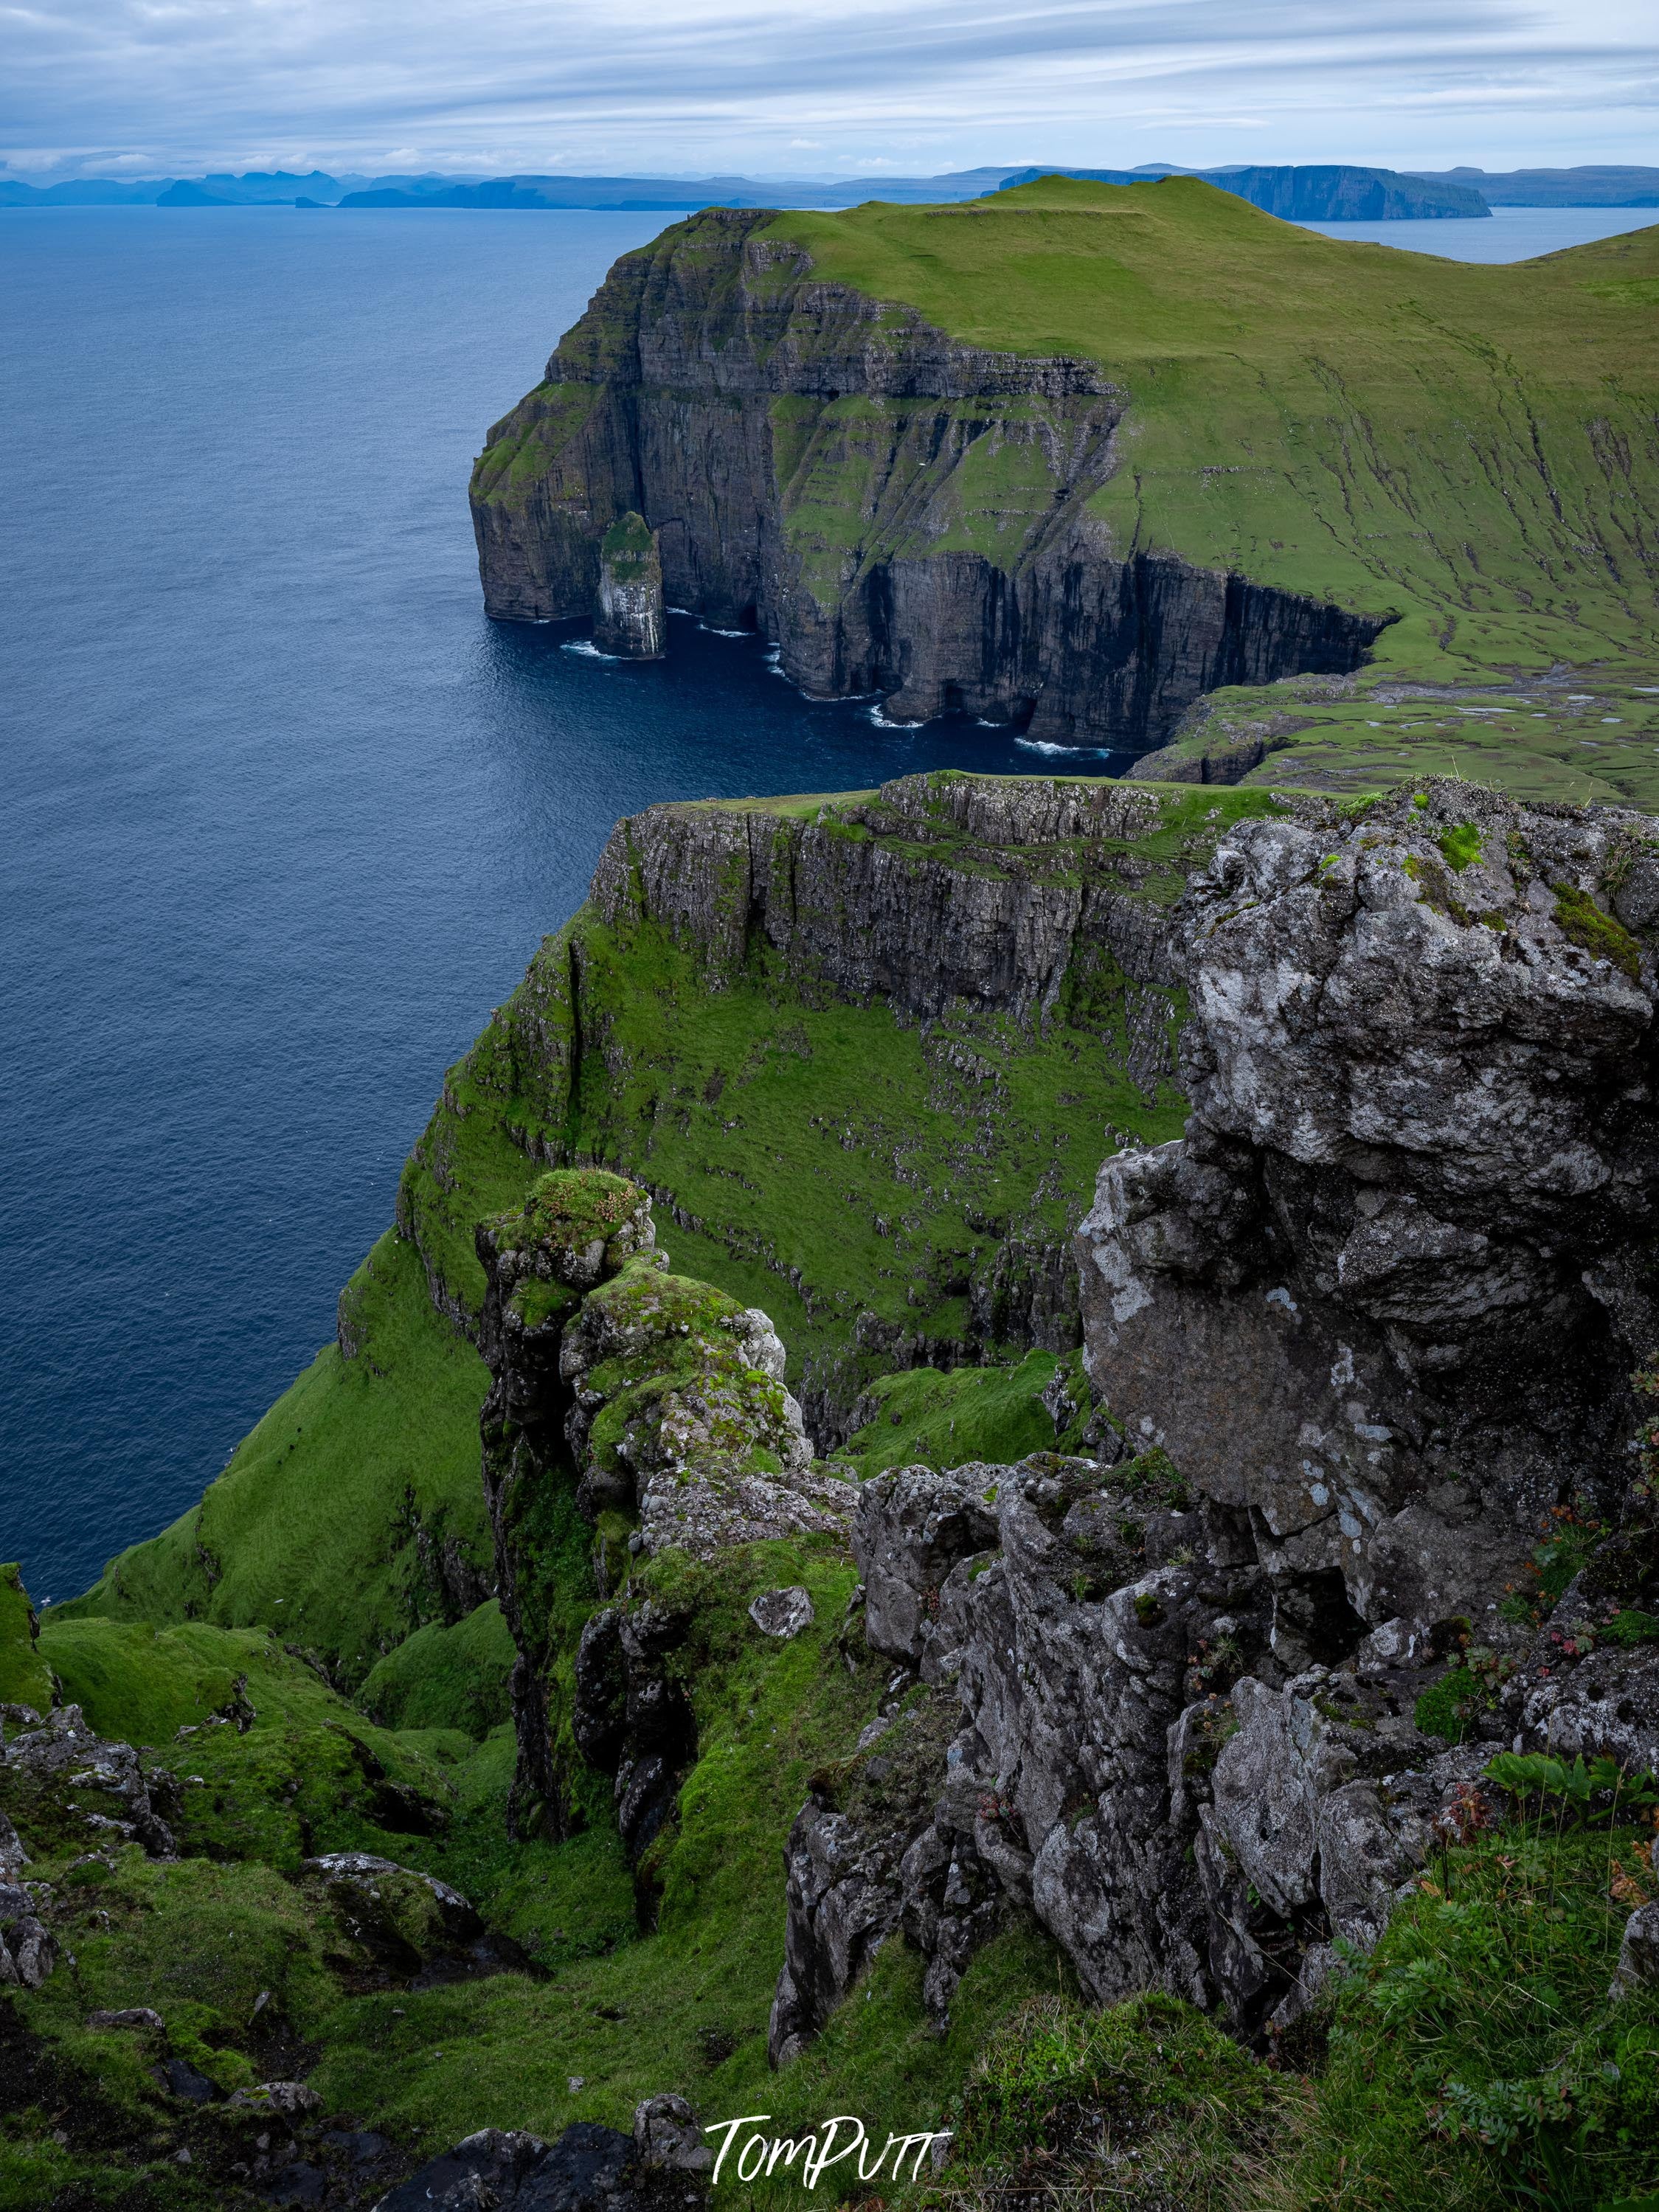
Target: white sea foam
[
  {"x": 1076, "y": 752},
  {"x": 588, "y": 650}
]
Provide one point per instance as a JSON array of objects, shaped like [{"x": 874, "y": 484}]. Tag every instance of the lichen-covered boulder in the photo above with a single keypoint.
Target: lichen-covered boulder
[
  {"x": 782, "y": 1614},
  {"x": 679, "y": 1412},
  {"x": 1383, "y": 1295}
]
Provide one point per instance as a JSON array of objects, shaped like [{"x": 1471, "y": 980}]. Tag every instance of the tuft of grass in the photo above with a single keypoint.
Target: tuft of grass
[
  {"x": 1475, "y": 2060},
  {"x": 1581, "y": 922}
]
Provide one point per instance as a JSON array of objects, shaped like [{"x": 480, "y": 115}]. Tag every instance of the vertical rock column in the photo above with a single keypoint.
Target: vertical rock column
[
  {"x": 628, "y": 614},
  {"x": 578, "y": 1228}
]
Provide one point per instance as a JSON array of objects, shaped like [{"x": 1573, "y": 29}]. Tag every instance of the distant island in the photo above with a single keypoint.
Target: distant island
[{"x": 1300, "y": 192}]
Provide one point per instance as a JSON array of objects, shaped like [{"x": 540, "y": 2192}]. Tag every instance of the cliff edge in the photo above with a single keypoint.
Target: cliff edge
[{"x": 1071, "y": 459}]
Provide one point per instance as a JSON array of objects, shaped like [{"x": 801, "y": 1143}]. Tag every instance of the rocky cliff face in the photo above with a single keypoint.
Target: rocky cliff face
[
  {"x": 926, "y": 892},
  {"x": 1383, "y": 1295},
  {"x": 1363, "y": 1336},
  {"x": 902, "y": 513},
  {"x": 652, "y": 1407}
]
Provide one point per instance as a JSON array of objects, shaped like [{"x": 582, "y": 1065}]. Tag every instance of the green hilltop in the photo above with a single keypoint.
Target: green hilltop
[{"x": 1473, "y": 449}]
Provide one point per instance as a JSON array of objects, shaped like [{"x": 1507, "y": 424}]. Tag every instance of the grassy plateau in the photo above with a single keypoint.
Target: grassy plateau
[{"x": 1471, "y": 449}]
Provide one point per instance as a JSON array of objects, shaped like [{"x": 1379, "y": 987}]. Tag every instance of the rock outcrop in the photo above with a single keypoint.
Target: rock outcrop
[
  {"x": 1382, "y": 1298},
  {"x": 901, "y": 513},
  {"x": 586, "y": 2169},
  {"x": 27, "y": 1954},
  {"x": 656, "y": 1407},
  {"x": 1367, "y": 1321},
  {"x": 629, "y": 619},
  {"x": 1105, "y": 1739},
  {"x": 68, "y": 1784}
]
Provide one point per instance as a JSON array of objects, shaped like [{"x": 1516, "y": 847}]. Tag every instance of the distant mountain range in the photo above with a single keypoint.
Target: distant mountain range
[
  {"x": 1304, "y": 192},
  {"x": 1591, "y": 187}
]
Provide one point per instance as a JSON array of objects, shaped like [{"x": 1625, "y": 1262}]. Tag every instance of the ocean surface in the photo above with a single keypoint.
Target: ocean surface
[
  {"x": 282, "y": 817},
  {"x": 1509, "y": 234}
]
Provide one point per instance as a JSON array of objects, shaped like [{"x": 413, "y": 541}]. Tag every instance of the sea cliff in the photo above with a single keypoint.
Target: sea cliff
[
  {"x": 860, "y": 1549},
  {"x": 1078, "y": 457},
  {"x": 904, "y": 514}
]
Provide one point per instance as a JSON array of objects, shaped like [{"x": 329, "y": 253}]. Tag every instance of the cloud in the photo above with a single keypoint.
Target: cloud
[{"x": 184, "y": 85}]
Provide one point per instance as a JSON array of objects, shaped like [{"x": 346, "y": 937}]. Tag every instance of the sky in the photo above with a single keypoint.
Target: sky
[{"x": 146, "y": 87}]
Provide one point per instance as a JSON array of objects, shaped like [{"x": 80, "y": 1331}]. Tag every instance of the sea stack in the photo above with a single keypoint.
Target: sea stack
[{"x": 628, "y": 616}]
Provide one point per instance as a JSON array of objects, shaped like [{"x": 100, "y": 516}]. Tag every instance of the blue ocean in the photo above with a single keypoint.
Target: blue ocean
[{"x": 284, "y": 816}]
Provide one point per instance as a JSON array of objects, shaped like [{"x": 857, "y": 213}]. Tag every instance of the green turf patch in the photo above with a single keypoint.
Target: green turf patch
[
  {"x": 24, "y": 1677},
  {"x": 444, "y": 1677},
  {"x": 342, "y": 1518},
  {"x": 932, "y": 1419}
]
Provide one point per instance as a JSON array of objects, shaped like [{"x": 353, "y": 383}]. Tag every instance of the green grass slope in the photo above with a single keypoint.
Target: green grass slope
[
  {"x": 25, "y": 1677},
  {"x": 348, "y": 1516},
  {"x": 1472, "y": 448},
  {"x": 824, "y": 1160}
]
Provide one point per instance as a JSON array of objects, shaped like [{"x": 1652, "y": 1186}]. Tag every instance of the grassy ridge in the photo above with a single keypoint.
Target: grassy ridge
[{"x": 1472, "y": 448}]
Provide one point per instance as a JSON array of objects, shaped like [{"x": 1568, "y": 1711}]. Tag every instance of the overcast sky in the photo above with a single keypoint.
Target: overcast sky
[{"x": 912, "y": 86}]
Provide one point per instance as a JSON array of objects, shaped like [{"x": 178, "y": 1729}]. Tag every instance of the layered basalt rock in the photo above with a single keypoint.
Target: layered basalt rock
[
  {"x": 1383, "y": 1296},
  {"x": 901, "y": 513},
  {"x": 1000, "y": 887}
]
